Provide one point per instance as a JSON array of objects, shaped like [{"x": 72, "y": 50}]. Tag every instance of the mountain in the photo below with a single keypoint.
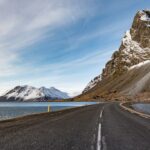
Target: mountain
[
  {"x": 132, "y": 85},
  {"x": 29, "y": 93},
  {"x": 134, "y": 49}
]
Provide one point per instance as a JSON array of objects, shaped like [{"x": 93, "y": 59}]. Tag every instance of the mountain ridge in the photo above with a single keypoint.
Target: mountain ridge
[
  {"x": 134, "y": 49},
  {"x": 30, "y": 93}
]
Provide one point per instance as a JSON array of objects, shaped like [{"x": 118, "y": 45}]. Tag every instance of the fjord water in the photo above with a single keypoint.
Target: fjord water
[
  {"x": 145, "y": 108},
  {"x": 10, "y": 110}
]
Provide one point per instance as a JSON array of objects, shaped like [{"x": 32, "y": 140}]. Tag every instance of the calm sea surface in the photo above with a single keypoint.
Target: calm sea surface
[
  {"x": 142, "y": 107},
  {"x": 10, "y": 110}
]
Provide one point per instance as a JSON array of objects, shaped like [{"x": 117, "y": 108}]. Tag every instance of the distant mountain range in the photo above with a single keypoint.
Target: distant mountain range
[
  {"x": 127, "y": 75},
  {"x": 29, "y": 93}
]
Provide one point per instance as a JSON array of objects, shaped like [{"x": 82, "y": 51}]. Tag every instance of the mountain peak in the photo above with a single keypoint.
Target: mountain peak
[
  {"x": 134, "y": 48},
  {"x": 144, "y": 15},
  {"x": 53, "y": 88}
]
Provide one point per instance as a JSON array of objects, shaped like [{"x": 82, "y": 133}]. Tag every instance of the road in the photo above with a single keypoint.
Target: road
[{"x": 96, "y": 127}]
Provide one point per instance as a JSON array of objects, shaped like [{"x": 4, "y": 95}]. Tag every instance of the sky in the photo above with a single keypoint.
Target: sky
[{"x": 60, "y": 43}]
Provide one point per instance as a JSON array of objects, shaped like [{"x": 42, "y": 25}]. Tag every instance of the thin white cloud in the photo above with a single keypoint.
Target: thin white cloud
[
  {"x": 89, "y": 59},
  {"x": 23, "y": 23}
]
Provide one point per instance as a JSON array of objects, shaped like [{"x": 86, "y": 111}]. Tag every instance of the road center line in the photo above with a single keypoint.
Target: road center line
[
  {"x": 99, "y": 138},
  {"x": 101, "y": 113}
]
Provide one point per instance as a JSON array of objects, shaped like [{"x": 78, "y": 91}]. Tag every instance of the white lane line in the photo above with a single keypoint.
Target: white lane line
[
  {"x": 101, "y": 113},
  {"x": 99, "y": 138}
]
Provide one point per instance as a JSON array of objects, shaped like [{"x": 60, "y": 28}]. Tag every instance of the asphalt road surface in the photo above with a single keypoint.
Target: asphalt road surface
[{"x": 97, "y": 127}]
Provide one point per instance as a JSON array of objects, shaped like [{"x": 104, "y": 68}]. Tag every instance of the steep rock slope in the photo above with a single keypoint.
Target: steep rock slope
[
  {"x": 27, "y": 93},
  {"x": 134, "y": 49},
  {"x": 132, "y": 85}
]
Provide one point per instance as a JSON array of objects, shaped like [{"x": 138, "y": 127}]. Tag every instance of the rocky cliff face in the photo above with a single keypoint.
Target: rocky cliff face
[
  {"x": 135, "y": 48},
  {"x": 133, "y": 85}
]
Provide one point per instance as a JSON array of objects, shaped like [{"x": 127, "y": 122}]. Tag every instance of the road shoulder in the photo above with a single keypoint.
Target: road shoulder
[{"x": 129, "y": 109}]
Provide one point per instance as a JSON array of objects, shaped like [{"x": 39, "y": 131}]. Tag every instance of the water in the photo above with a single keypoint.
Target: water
[
  {"x": 10, "y": 110},
  {"x": 142, "y": 107}
]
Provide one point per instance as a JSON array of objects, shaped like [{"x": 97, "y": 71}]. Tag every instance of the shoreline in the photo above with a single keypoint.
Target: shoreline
[
  {"x": 62, "y": 105},
  {"x": 128, "y": 107},
  {"x": 28, "y": 116}
]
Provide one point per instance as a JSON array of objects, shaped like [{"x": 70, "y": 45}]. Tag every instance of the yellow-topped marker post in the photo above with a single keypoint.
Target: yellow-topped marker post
[{"x": 49, "y": 109}]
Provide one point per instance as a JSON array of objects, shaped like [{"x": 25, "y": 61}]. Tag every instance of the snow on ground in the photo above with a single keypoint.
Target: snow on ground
[
  {"x": 133, "y": 51},
  {"x": 140, "y": 64}
]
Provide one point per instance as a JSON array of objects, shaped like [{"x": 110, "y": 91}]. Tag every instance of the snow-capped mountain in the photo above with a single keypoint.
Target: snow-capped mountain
[
  {"x": 27, "y": 93},
  {"x": 135, "y": 48}
]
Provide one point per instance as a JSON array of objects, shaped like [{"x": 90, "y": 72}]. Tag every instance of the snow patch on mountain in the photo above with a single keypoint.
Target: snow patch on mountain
[
  {"x": 132, "y": 48},
  {"x": 140, "y": 64},
  {"x": 145, "y": 16}
]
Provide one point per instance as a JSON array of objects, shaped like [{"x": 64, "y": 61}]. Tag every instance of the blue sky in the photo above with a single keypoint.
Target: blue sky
[{"x": 60, "y": 43}]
